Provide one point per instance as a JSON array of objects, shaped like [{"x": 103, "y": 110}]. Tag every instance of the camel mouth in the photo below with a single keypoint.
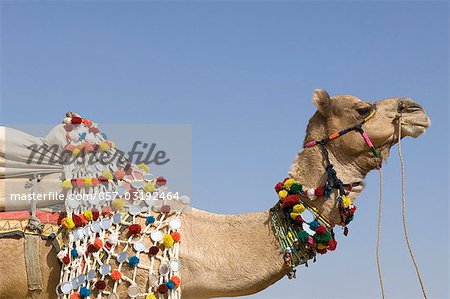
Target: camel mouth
[{"x": 415, "y": 127}]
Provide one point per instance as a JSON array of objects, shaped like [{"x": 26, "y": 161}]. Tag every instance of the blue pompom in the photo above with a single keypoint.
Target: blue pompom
[
  {"x": 133, "y": 261},
  {"x": 150, "y": 220},
  {"x": 82, "y": 136},
  {"x": 314, "y": 224},
  {"x": 84, "y": 292},
  {"x": 74, "y": 253},
  {"x": 104, "y": 136},
  {"x": 170, "y": 285}
]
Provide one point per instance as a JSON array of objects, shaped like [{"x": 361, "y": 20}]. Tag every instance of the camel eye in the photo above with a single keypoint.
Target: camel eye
[{"x": 364, "y": 111}]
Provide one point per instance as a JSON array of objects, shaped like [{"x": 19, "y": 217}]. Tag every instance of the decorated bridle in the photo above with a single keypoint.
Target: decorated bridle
[{"x": 297, "y": 244}]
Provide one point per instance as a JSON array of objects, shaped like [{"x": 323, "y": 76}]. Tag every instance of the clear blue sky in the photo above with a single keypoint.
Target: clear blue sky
[{"x": 242, "y": 74}]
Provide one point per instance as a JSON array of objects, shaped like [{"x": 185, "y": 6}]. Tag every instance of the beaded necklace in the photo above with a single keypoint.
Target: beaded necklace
[{"x": 300, "y": 240}]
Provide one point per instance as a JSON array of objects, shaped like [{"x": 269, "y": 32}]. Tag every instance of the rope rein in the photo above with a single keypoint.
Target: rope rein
[
  {"x": 380, "y": 204},
  {"x": 416, "y": 267}
]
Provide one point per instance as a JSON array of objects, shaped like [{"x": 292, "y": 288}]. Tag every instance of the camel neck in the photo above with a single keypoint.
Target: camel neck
[{"x": 308, "y": 168}]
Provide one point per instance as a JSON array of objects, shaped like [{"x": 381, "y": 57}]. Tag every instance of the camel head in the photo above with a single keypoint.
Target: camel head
[{"x": 343, "y": 111}]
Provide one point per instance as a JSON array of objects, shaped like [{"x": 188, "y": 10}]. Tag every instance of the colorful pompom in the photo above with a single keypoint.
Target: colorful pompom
[
  {"x": 150, "y": 220},
  {"x": 346, "y": 201},
  {"x": 162, "y": 289},
  {"x": 291, "y": 200},
  {"x": 85, "y": 292},
  {"x": 321, "y": 229},
  {"x": 303, "y": 236},
  {"x": 133, "y": 261},
  {"x": 176, "y": 236},
  {"x": 318, "y": 192},
  {"x": 150, "y": 296},
  {"x": 68, "y": 223},
  {"x": 167, "y": 241},
  {"x": 170, "y": 285},
  {"x": 66, "y": 184},
  {"x": 100, "y": 285},
  {"x": 176, "y": 280},
  {"x": 295, "y": 188},
  {"x": 116, "y": 275},
  {"x": 298, "y": 208},
  {"x": 161, "y": 181},
  {"x": 119, "y": 174},
  {"x": 74, "y": 253},
  {"x": 314, "y": 224},
  {"x": 144, "y": 166},
  {"x": 149, "y": 187},
  {"x": 98, "y": 243},
  {"x": 104, "y": 146},
  {"x": 282, "y": 194},
  {"x": 107, "y": 174},
  {"x": 88, "y": 215},
  {"x": 288, "y": 183},
  {"x": 134, "y": 229},
  {"x": 117, "y": 204},
  {"x": 279, "y": 187},
  {"x": 75, "y": 295}
]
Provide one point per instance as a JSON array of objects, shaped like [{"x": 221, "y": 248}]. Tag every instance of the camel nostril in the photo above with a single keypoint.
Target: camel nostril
[{"x": 409, "y": 106}]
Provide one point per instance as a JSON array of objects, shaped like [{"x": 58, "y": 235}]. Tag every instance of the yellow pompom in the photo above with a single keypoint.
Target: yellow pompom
[
  {"x": 288, "y": 183},
  {"x": 321, "y": 246},
  {"x": 66, "y": 184},
  {"x": 103, "y": 146},
  {"x": 88, "y": 182},
  {"x": 88, "y": 215},
  {"x": 76, "y": 152},
  {"x": 346, "y": 201},
  {"x": 298, "y": 208},
  {"x": 118, "y": 204},
  {"x": 282, "y": 194},
  {"x": 68, "y": 223},
  {"x": 107, "y": 174},
  {"x": 149, "y": 187},
  {"x": 167, "y": 241},
  {"x": 144, "y": 167},
  {"x": 150, "y": 296},
  {"x": 294, "y": 215}
]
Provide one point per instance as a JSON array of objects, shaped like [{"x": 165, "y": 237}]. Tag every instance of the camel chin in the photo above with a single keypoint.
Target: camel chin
[{"x": 414, "y": 127}]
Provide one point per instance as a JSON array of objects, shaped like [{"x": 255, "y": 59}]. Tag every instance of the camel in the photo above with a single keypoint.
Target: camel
[{"x": 218, "y": 252}]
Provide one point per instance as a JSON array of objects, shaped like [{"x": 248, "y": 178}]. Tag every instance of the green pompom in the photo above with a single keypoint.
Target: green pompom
[
  {"x": 323, "y": 238},
  {"x": 349, "y": 219},
  {"x": 303, "y": 236},
  {"x": 295, "y": 188}
]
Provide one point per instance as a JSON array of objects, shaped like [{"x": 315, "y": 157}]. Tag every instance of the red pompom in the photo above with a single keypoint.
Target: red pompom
[
  {"x": 68, "y": 127},
  {"x": 318, "y": 192},
  {"x": 98, "y": 244},
  {"x": 285, "y": 179},
  {"x": 322, "y": 251},
  {"x": 76, "y": 120},
  {"x": 100, "y": 285},
  {"x": 134, "y": 229},
  {"x": 351, "y": 211},
  {"x": 103, "y": 180},
  {"x": 332, "y": 245},
  {"x": 95, "y": 214},
  {"x": 321, "y": 230},
  {"x": 91, "y": 248},
  {"x": 77, "y": 220},
  {"x": 298, "y": 220},
  {"x": 66, "y": 260},
  {"x": 162, "y": 289},
  {"x": 106, "y": 211},
  {"x": 279, "y": 187},
  {"x": 291, "y": 200},
  {"x": 93, "y": 130},
  {"x": 161, "y": 181},
  {"x": 176, "y": 236}
]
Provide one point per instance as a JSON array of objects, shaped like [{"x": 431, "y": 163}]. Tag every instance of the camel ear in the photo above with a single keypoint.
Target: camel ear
[{"x": 321, "y": 99}]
